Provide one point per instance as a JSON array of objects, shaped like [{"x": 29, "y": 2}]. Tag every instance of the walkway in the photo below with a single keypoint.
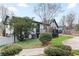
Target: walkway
[
  {"x": 31, "y": 52},
  {"x": 73, "y": 42}
]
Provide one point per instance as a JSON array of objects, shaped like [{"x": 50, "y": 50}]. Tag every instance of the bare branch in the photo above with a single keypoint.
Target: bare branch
[{"x": 47, "y": 11}]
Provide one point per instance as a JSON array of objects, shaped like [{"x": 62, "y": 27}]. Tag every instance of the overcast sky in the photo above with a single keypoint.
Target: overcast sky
[{"x": 22, "y": 9}]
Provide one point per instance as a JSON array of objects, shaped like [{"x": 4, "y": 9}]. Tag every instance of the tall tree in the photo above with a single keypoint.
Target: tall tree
[
  {"x": 77, "y": 25},
  {"x": 22, "y": 25},
  {"x": 47, "y": 12},
  {"x": 70, "y": 20},
  {"x": 5, "y": 13},
  {"x": 63, "y": 23}
]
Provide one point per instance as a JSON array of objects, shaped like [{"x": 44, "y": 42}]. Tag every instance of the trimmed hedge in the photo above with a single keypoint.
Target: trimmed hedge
[
  {"x": 45, "y": 38},
  {"x": 54, "y": 51},
  {"x": 10, "y": 50},
  {"x": 58, "y": 50},
  {"x": 64, "y": 47}
]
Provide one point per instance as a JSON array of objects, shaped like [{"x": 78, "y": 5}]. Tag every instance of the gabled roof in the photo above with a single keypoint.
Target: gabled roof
[
  {"x": 5, "y": 20},
  {"x": 41, "y": 23},
  {"x": 54, "y": 21}
]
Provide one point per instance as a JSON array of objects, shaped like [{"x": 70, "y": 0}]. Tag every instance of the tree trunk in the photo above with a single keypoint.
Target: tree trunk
[{"x": 4, "y": 31}]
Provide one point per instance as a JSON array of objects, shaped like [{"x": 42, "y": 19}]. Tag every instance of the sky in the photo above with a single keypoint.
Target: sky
[{"x": 27, "y": 9}]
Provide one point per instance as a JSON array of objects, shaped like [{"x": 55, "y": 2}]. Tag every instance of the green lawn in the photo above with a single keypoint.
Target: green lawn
[
  {"x": 30, "y": 43},
  {"x": 76, "y": 52},
  {"x": 35, "y": 43},
  {"x": 60, "y": 39}
]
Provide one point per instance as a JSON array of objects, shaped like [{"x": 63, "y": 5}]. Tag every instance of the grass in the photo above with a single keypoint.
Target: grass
[
  {"x": 76, "y": 52},
  {"x": 30, "y": 43},
  {"x": 35, "y": 43},
  {"x": 60, "y": 39}
]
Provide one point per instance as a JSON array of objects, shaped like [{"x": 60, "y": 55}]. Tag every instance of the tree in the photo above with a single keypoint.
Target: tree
[
  {"x": 63, "y": 23},
  {"x": 47, "y": 12},
  {"x": 70, "y": 19},
  {"x": 77, "y": 25},
  {"x": 21, "y": 26},
  {"x": 4, "y": 12},
  {"x": 68, "y": 22}
]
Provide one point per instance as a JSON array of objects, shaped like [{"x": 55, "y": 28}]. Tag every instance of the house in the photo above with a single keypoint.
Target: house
[
  {"x": 36, "y": 31},
  {"x": 53, "y": 26},
  {"x": 5, "y": 28}
]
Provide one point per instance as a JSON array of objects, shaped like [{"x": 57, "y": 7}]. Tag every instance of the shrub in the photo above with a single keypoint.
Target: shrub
[
  {"x": 64, "y": 47},
  {"x": 45, "y": 38},
  {"x": 55, "y": 33},
  {"x": 54, "y": 51},
  {"x": 9, "y": 50}
]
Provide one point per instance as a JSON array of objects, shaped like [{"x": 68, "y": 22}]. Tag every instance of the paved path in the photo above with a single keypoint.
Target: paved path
[
  {"x": 31, "y": 52},
  {"x": 73, "y": 42}
]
